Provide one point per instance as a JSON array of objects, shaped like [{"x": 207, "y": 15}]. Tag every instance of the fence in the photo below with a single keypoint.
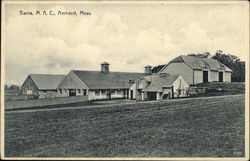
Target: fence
[
  {"x": 44, "y": 102},
  {"x": 19, "y": 97}
]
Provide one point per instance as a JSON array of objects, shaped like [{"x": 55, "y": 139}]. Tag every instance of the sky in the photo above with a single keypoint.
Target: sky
[{"x": 128, "y": 36}]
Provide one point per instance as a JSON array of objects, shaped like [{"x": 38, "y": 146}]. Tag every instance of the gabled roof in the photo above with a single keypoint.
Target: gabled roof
[
  {"x": 112, "y": 80},
  {"x": 46, "y": 81},
  {"x": 157, "y": 82},
  {"x": 199, "y": 63}
]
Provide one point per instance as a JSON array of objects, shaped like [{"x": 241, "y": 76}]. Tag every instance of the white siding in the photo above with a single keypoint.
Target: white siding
[
  {"x": 180, "y": 69},
  {"x": 182, "y": 85},
  {"x": 214, "y": 76},
  {"x": 133, "y": 89},
  {"x": 103, "y": 94},
  {"x": 91, "y": 95},
  {"x": 227, "y": 76},
  {"x": 198, "y": 76}
]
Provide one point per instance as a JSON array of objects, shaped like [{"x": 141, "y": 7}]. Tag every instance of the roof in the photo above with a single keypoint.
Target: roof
[
  {"x": 157, "y": 82},
  {"x": 200, "y": 63},
  {"x": 46, "y": 81},
  {"x": 113, "y": 80}
]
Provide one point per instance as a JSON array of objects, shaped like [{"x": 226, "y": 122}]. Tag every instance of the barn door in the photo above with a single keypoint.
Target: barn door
[
  {"x": 205, "y": 76},
  {"x": 151, "y": 95},
  {"x": 131, "y": 94},
  {"x": 220, "y": 76},
  {"x": 72, "y": 92}
]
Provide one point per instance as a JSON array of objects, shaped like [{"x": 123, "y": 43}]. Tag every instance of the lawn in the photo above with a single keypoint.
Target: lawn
[{"x": 211, "y": 127}]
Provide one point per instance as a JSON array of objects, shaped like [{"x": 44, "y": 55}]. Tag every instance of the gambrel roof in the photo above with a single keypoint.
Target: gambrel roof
[
  {"x": 46, "y": 81},
  {"x": 199, "y": 63},
  {"x": 112, "y": 80}
]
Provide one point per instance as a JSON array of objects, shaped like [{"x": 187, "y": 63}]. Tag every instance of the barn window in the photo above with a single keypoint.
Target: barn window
[
  {"x": 97, "y": 92},
  {"x": 131, "y": 81},
  {"x": 103, "y": 91},
  {"x": 179, "y": 91},
  {"x": 60, "y": 90},
  {"x": 84, "y": 91},
  {"x": 79, "y": 91}
]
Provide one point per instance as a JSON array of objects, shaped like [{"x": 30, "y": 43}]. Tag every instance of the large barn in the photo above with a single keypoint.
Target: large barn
[
  {"x": 159, "y": 86},
  {"x": 198, "y": 70},
  {"x": 97, "y": 84},
  {"x": 42, "y": 85}
]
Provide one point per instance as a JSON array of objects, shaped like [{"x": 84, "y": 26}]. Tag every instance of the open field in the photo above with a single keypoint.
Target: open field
[{"x": 211, "y": 127}]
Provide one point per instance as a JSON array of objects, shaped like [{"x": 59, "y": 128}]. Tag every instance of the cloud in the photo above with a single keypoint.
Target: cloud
[{"x": 52, "y": 44}]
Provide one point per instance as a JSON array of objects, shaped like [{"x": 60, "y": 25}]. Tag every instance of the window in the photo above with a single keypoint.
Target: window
[
  {"x": 84, "y": 92},
  {"x": 78, "y": 90},
  {"x": 60, "y": 91},
  {"x": 131, "y": 81},
  {"x": 119, "y": 91},
  {"x": 97, "y": 92},
  {"x": 65, "y": 90},
  {"x": 179, "y": 91}
]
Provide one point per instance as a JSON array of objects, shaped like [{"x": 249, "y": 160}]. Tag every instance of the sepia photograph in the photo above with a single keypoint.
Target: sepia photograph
[{"x": 140, "y": 80}]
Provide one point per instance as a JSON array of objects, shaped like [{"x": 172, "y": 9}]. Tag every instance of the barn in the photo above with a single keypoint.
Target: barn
[
  {"x": 42, "y": 85},
  {"x": 198, "y": 70},
  {"x": 159, "y": 86},
  {"x": 97, "y": 85}
]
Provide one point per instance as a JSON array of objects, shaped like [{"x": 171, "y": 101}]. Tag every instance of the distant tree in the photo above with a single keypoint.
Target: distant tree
[
  {"x": 14, "y": 87},
  {"x": 199, "y": 55},
  {"x": 156, "y": 69},
  {"x": 234, "y": 63}
]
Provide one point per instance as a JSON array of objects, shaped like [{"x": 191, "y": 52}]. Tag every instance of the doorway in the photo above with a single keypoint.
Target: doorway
[
  {"x": 151, "y": 95},
  {"x": 205, "y": 76},
  {"x": 72, "y": 92},
  {"x": 220, "y": 76},
  {"x": 131, "y": 94}
]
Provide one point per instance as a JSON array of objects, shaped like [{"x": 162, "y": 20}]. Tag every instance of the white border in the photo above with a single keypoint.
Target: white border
[{"x": 246, "y": 3}]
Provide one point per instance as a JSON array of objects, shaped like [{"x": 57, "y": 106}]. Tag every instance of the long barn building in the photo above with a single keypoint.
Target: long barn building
[{"x": 97, "y": 84}]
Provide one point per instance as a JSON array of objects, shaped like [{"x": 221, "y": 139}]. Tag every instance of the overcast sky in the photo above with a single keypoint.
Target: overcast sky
[{"x": 128, "y": 37}]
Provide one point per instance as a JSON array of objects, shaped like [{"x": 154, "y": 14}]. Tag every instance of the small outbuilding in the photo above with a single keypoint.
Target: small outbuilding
[
  {"x": 159, "y": 86},
  {"x": 42, "y": 85}
]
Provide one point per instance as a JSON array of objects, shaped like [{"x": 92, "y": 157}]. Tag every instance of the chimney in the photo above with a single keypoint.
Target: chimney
[
  {"x": 105, "y": 67},
  {"x": 148, "y": 69}
]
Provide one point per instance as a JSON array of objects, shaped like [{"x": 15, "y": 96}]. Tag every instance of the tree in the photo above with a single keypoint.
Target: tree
[
  {"x": 199, "y": 55},
  {"x": 14, "y": 87},
  {"x": 234, "y": 63}
]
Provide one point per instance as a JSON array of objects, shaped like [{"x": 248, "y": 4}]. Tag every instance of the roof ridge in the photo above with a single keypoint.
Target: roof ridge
[
  {"x": 109, "y": 72},
  {"x": 48, "y": 74}
]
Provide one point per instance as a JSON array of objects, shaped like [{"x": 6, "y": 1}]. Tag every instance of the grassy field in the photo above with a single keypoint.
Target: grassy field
[
  {"x": 210, "y": 127},
  {"x": 226, "y": 88}
]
